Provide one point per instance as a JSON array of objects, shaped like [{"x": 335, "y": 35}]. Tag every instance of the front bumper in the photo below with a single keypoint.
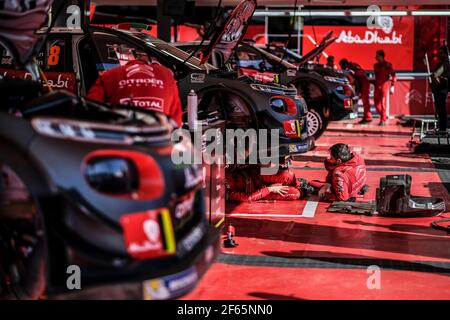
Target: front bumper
[
  {"x": 292, "y": 149},
  {"x": 288, "y": 149},
  {"x": 174, "y": 281}
]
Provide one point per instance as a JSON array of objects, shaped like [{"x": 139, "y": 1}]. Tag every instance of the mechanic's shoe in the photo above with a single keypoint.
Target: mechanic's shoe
[
  {"x": 363, "y": 190},
  {"x": 365, "y": 121},
  {"x": 382, "y": 124},
  {"x": 305, "y": 187}
]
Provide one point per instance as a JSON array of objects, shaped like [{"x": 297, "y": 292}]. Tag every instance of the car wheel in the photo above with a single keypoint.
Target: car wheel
[
  {"x": 236, "y": 113},
  {"x": 23, "y": 245},
  {"x": 316, "y": 122},
  {"x": 318, "y": 105}
]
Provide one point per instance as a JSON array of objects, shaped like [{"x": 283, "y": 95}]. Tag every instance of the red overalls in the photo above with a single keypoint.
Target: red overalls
[
  {"x": 139, "y": 84},
  {"x": 364, "y": 86},
  {"x": 346, "y": 179},
  {"x": 250, "y": 185},
  {"x": 384, "y": 75}
]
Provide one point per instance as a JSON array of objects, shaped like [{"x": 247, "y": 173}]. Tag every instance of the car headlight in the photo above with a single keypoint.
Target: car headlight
[
  {"x": 112, "y": 175},
  {"x": 124, "y": 174},
  {"x": 278, "y": 105},
  {"x": 283, "y": 104}
]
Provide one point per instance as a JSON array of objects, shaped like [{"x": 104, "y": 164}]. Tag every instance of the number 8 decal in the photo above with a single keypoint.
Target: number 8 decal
[{"x": 53, "y": 57}]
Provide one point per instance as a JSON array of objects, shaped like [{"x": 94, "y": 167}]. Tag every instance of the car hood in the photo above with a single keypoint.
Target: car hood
[
  {"x": 18, "y": 26},
  {"x": 326, "y": 41},
  {"x": 231, "y": 33}
]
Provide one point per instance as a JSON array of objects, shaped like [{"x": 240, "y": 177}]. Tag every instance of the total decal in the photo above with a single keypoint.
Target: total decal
[
  {"x": 395, "y": 35},
  {"x": 150, "y": 103}
]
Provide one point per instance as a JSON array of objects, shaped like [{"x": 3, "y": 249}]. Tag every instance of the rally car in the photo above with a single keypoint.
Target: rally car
[
  {"x": 327, "y": 92},
  {"x": 73, "y": 58},
  {"x": 89, "y": 196}
]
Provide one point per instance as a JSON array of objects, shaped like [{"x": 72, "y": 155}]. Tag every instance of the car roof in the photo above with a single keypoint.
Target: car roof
[
  {"x": 164, "y": 46},
  {"x": 257, "y": 47}
]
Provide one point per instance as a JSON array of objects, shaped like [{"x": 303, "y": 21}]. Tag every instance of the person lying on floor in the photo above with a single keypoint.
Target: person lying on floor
[
  {"x": 248, "y": 184},
  {"x": 346, "y": 175}
]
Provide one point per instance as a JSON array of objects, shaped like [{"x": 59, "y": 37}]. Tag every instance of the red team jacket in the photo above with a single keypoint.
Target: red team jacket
[
  {"x": 147, "y": 86},
  {"x": 346, "y": 179},
  {"x": 359, "y": 74},
  {"x": 250, "y": 185},
  {"x": 383, "y": 70}
]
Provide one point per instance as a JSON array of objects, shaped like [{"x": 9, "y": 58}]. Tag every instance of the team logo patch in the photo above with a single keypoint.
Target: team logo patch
[{"x": 149, "y": 103}]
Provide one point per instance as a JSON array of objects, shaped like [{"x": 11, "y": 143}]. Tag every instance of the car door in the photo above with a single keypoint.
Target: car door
[{"x": 54, "y": 59}]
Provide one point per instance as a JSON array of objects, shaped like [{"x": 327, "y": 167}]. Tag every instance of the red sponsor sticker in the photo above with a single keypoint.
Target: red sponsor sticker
[
  {"x": 143, "y": 235},
  {"x": 290, "y": 128},
  {"x": 348, "y": 104},
  {"x": 260, "y": 76}
]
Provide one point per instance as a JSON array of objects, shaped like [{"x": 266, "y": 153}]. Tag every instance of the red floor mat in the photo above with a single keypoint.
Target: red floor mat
[{"x": 296, "y": 250}]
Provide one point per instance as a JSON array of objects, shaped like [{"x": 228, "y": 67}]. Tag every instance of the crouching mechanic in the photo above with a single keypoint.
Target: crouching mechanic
[
  {"x": 140, "y": 83},
  {"x": 346, "y": 175},
  {"x": 248, "y": 184}
]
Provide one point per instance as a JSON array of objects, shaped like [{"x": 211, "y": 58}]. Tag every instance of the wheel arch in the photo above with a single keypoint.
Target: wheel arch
[
  {"x": 325, "y": 90},
  {"x": 229, "y": 90}
]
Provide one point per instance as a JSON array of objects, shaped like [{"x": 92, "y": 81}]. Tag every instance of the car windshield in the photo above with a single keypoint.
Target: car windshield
[
  {"x": 273, "y": 57},
  {"x": 174, "y": 52}
]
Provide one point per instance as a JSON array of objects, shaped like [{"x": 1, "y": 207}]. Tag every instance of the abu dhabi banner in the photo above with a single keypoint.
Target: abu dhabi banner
[{"x": 359, "y": 43}]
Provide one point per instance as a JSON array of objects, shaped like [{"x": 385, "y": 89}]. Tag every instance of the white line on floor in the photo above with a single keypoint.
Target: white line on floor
[
  {"x": 263, "y": 215},
  {"x": 310, "y": 209},
  {"x": 308, "y": 212}
]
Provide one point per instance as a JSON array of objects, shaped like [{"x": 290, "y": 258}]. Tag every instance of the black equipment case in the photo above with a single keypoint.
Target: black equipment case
[{"x": 394, "y": 199}]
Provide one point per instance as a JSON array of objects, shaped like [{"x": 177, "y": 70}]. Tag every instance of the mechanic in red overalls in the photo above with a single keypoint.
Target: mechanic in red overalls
[
  {"x": 358, "y": 77},
  {"x": 330, "y": 62},
  {"x": 346, "y": 175},
  {"x": 141, "y": 83},
  {"x": 384, "y": 83},
  {"x": 248, "y": 184}
]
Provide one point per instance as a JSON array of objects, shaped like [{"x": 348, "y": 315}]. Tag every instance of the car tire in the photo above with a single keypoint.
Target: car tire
[
  {"x": 317, "y": 123},
  {"x": 318, "y": 105},
  {"x": 21, "y": 278}
]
